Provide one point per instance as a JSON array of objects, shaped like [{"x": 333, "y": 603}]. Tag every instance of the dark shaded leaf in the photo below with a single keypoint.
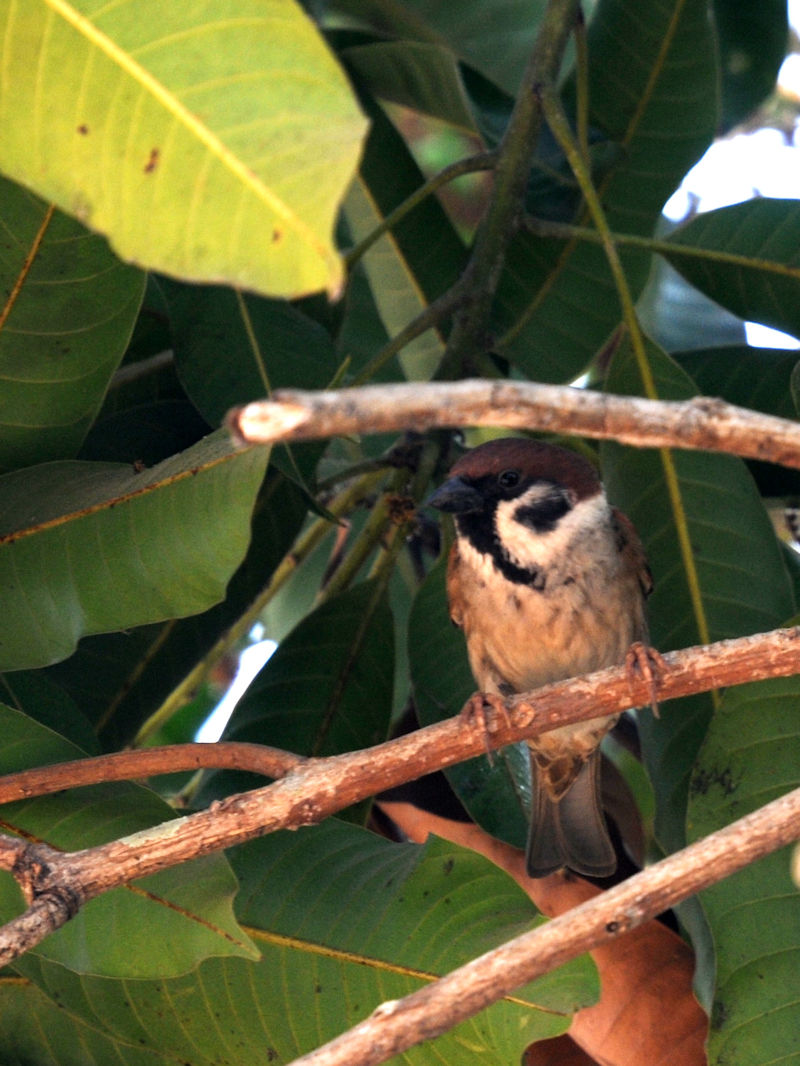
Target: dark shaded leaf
[
  {"x": 753, "y": 39},
  {"x": 120, "y": 679},
  {"x": 328, "y": 687}
]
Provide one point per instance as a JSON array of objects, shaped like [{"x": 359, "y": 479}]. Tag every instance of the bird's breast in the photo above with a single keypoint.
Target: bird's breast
[{"x": 575, "y": 619}]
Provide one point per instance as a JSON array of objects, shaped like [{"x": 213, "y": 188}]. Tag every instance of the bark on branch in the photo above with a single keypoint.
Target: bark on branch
[
  {"x": 58, "y": 883},
  {"x": 701, "y": 423}
]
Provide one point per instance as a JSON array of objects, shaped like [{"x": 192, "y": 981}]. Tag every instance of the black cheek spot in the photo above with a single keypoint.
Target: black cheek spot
[{"x": 544, "y": 515}]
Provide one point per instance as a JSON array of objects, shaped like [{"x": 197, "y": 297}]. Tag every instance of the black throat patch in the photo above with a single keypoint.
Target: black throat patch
[{"x": 478, "y": 529}]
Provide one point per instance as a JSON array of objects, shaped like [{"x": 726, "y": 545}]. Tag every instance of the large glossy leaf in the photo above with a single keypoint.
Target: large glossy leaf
[
  {"x": 749, "y": 261},
  {"x": 751, "y": 756},
  {"x": 393, "y": 917},
  {"x": 653, "y": 93},
  {"x": 120, "y": 679},
  {"x": 223, "y": 129},
  {"x": 496, "y": 794},
  {"x": 94, "y": 547},
  {"x": 69, "y": 309},
  {"x": 717, "y": 566},
  {"x": 164, "y": 926}
]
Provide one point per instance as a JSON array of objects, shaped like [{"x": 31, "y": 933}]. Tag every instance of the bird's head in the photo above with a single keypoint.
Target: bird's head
[{"x": 521, "y": 500}]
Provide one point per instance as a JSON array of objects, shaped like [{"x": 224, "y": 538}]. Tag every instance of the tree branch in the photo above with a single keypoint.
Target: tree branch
[
  {"x": 396, "y": 1026},
  {"x": 700, "y": 423},
  {"x": 479, "y": 281},
  {"x": 317, "y": 788}
]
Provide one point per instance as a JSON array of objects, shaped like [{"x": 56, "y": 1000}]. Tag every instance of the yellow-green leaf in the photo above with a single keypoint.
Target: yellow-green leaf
[{"x": 211, "y": 140}]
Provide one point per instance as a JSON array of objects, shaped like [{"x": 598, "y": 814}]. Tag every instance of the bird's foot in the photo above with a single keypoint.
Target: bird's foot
[
  {"x": 474, "y": 713},
  {"x": 643, "y": 661}
]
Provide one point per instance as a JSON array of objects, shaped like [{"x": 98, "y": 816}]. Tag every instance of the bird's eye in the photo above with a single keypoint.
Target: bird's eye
[{"x": 508, "y": 479}]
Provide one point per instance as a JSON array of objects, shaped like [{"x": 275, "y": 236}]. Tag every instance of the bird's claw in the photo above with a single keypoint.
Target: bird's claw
[
  {"x": 473, "y": 713},
  {"x": 644, "y": 662}
]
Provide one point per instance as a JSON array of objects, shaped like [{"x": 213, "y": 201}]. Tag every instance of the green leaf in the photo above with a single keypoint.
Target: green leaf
[
  {"x": 67, "y": 319},
  {"x": 747, "y": 258},
  {"x": 751, "y": 756},
  {"x": 225, "y": 127},
  {"x": 394, "y": 917},
  {"x": 38, "y": 1031},
  {"x": 165, "y": 924},
  {"x": 758, "y": 378},
  {"x": 653, "y": 95},
  {"x": 67, "y": 531},
  {"x": 120, "y": 679},
  {"x": 716, "y": 561},
  {"x": 33, "y": 693},
  {"x": 362, "y": 333},
  {"x": 496, "y": 794}
]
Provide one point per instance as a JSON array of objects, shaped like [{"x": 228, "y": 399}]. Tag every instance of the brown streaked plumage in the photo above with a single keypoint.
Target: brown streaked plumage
[{"x": 547, "y": 581}]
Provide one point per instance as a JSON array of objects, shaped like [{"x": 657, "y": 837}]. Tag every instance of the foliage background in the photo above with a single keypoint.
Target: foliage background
[{"x": 179, "y": 183}]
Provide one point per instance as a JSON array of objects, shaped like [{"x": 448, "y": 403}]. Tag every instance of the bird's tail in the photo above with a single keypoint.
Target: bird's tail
[{"x": 570, "y": 831}]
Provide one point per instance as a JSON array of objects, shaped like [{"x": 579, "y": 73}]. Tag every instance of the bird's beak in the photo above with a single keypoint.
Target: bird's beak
[{"x": 456, "y": 496}]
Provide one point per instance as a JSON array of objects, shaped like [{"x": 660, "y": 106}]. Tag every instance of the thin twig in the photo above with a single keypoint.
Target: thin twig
[
  {"x": 670, "y": 249},
  {"x": 147, "y": 762},
  {"x": 317, "y": 788},
  {"x": 471, "y": 165},
  {"x": 559, "y": 126},
  {"x": 432, "y": 315},
  {"x": 504, "y": 210},
  {"x": 700, "y": 423}
]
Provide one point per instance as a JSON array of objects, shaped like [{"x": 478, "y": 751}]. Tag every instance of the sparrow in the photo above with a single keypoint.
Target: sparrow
[{"x": 547, "y": 581}]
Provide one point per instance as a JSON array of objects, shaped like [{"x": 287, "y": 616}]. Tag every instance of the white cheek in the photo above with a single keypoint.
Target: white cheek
[
  {"x": 480, "y": 564},
  {"x": 534, "y": 550}
]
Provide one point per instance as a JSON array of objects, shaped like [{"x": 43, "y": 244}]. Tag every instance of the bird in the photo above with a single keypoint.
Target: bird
[{"x": 547, "y": 581}]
